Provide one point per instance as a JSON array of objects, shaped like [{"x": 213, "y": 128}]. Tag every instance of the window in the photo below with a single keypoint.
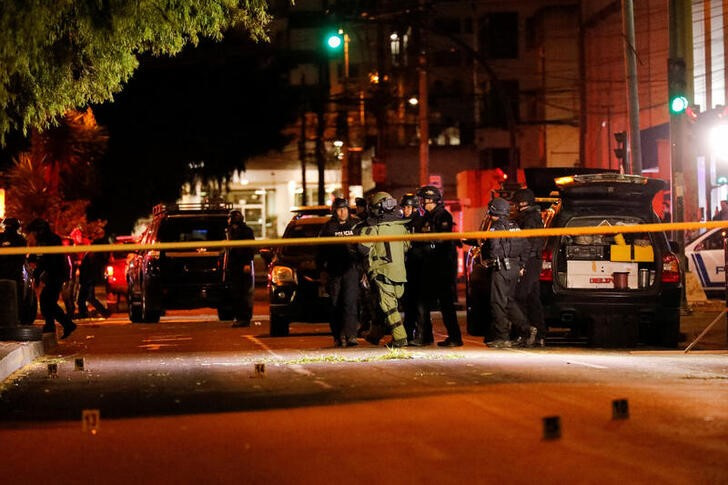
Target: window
[
  {"x": 494, "y": 110},
  {"x": 498, "y": 35}
]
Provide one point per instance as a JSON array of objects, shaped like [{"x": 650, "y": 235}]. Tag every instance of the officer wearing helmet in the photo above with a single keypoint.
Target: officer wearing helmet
[
  {"x": 528, "y": 292},
  {"x": 239, "y": 270},
  {"x": 439, "y": 272},
  {"x": 410, "y": 205},
  {"x": 11, "y": 267},
  {"x": 341, "y": 273},
  {"x": 384, "y": 264},
  {"x": 506, "y": 256},
  {"x": 51, "y": 271}
]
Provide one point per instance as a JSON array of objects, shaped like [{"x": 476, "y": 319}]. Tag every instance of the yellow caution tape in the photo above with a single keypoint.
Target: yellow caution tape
[{"x": 308, "y": 241}]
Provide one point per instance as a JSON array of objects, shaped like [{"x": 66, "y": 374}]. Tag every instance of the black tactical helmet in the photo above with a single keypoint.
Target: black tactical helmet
[
  {"x": 430, "y": 192},
  {"x": 11, "y": 223},
  {"x": 236, "y": 217},
  {"x": 382, "y": 202},
  {"x": 499, "y": 207},
  {"x": 339, "y": 203},
  {"x": 524, "y": 197},
  {"x": 409, "y": 200}
]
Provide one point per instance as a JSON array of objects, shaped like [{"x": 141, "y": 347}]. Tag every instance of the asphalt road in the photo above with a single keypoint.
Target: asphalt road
[{"x": 191, "y": 400}]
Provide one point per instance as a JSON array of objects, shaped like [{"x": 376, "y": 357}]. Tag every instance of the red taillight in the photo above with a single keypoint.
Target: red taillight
[
  {"x": 670, "y": 269},
  {"x": 547, "y": 273}
]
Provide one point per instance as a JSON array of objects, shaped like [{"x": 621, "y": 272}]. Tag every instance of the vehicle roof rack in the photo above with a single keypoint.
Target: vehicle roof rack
[{"x": 214, "y": 205}]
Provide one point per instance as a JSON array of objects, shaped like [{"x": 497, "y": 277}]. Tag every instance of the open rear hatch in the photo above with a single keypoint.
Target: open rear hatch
[{"x": 618, "y": 262}]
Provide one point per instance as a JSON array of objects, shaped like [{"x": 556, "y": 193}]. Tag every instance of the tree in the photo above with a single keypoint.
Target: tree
[
  {"x": 56, "y": 178},
  {"x": 65, "y": 54}
]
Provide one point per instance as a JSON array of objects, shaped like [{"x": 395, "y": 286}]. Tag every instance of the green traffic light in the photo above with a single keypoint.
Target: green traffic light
[
  {"x": 678, "y": 104},
  {"x": 334, "y": 41}
]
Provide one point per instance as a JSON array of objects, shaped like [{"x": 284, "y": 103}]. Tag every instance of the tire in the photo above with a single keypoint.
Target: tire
[
  {"x": 279, "y": 326},
  {"x": 135, "y": 312},
  {"x": 149, "y": 315},
  {"x": 668, "y": 332},
  {"x": 27, "y": 317},
  {"x": 21, "y": 334},
  {"x": 477, "y": 303},
  {"x": 225, "y": 313}
]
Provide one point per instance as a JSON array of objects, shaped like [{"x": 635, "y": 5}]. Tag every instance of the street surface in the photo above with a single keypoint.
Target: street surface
[{"x": 191, "y": 400}]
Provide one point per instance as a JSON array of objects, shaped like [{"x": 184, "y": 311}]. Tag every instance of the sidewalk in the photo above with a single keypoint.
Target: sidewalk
[{"x": 16, "y": 355}]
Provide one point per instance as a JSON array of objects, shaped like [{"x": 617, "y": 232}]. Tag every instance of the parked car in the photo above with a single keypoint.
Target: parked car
[
  {"x": 181, "y": 278},
  {"x": 295, "y": 290},
  {"x": 582, "y": 291},
  {"x": 616, "y": 289},
  {"x": 706, "y": 259},
  {"x": 115, "y": 273},
  {"x": 28, "y": 309}
]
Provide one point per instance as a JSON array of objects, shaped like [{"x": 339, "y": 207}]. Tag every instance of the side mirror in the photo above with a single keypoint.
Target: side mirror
[{"x": 266, "y": 254}]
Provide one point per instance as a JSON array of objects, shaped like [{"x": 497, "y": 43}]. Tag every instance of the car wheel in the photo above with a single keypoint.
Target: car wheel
[
  {"x": 474, "y": 314},
  {"x": 225, "y": 312},
  {"x": 21, "y": 334},
  {"x": 30, "y": 312},
  {"x": 278, "y": 326},
  {"x": 668, "y": 332},
  {"x": 135, "y": 311},
  {"x": 149, "y": 314},
  {"x": 477, "y": 303}
]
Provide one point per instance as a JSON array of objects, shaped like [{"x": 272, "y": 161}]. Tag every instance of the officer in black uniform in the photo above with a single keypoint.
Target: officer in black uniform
[
  {"x": 239, "y": 270},
  {"x": 528, "y": 292},
  {"x": 11, "y": 267},
  {"x": 342, "y": 273},
  {"x": 410, "y": 205},
  {"x": 51, "y": 271},
  {"x": 507, "y": 257},
  {"x": 439, "y": 272}
]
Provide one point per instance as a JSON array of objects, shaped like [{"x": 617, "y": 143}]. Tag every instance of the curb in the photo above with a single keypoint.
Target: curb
[{"x": 20, "y": 354}]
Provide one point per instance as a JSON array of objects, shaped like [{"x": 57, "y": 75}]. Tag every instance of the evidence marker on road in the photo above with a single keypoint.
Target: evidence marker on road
[
  {"x": 551, "y": 427},
  {"x": 620, "y": 409},
  {"x": 90, "y": 420},
  {"x": 53, "y": 370},
  {"x": 259, "y": 370}
]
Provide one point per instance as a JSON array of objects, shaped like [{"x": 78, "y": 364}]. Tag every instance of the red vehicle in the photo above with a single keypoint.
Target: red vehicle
[{"x": 115, "y": 274}]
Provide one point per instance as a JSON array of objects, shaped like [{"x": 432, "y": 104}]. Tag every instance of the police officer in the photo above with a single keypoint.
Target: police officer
[
  {"x": 528, "y": 292},
  {"x": 11, "y": 267},
  {"x": 410, "y": 205},
  {"x": 51, "y": 270},
  {"x": 340, "y": 270},
  {"x": 439, "y": 272},
  {"x": 384, "y": 263},
  {"x": 506, "y": 256},
  {"x": 239, "y": 269}
]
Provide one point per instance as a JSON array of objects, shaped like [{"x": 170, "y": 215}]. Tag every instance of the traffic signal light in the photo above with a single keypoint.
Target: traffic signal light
[
  {"x": 334, "y": 41},
  {"x": 676, "y": 86}
]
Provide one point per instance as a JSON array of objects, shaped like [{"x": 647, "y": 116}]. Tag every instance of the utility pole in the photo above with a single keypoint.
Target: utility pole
[
  {"x": 633, "y": 102},
  {"x": 679, "y": 22},
  {"x": 424, "y": 112}
]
